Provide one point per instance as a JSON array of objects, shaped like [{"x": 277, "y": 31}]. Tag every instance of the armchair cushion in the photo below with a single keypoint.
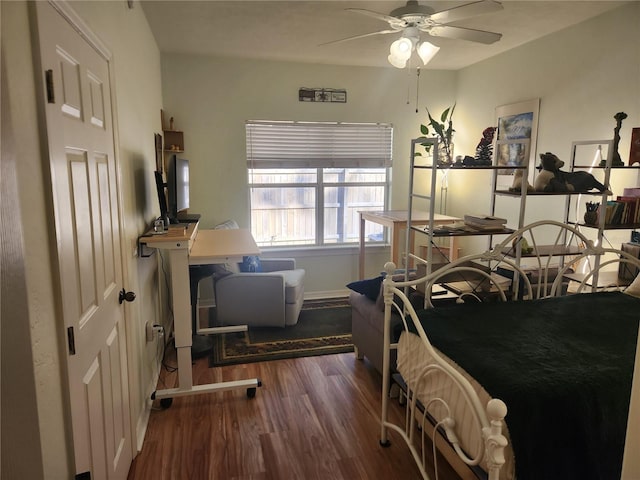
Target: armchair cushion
[
  {"x": 293, "y": 284},
  {"x": 277, "y": 264}
]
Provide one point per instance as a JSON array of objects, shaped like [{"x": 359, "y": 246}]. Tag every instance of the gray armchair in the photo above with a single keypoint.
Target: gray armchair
[{"x": 270, "y": 298}]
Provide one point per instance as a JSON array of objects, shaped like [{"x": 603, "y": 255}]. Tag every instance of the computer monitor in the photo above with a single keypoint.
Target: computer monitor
[
  {"x": 177, "y": 187},
  {"x": 162, "y": 198}
]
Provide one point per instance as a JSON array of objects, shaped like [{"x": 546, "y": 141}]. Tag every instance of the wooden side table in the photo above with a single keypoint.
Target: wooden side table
[{"x": 396, "y": 221}]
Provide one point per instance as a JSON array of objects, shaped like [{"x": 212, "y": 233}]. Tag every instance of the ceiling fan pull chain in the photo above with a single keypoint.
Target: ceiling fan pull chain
[
  {"x": 417, "y": 87},
  {"x": 408, "y": 86}
]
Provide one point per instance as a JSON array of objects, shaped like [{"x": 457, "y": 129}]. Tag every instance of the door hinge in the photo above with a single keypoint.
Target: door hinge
[
  {"x": 50, "y": 93},
  {"x": 71, "y": 340}
]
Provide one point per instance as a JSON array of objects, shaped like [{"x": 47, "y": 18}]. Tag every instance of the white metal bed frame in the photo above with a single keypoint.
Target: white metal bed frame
[{"x": 489, "y": 419}]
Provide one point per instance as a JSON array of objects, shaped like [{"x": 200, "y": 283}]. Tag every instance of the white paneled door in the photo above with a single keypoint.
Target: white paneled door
[{"x": 80, "y": 135}]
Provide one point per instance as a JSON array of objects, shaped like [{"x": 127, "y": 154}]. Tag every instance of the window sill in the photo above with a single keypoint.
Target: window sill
[{"x": 309, "y": 251}]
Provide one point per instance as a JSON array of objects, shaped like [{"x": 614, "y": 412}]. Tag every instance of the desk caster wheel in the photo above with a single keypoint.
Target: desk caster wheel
[
  {"x": 251, "y": 392},
  {"x": 166, "y": 402}
]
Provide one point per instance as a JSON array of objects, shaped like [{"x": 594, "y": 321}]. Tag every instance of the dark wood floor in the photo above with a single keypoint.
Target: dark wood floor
[{"x": 313, "y": 418}]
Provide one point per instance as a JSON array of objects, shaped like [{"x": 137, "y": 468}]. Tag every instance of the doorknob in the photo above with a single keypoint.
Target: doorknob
[{"x": 126, "y": 296}]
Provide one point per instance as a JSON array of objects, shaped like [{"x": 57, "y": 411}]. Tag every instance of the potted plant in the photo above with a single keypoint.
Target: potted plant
[{"x": 443, "y": 131}]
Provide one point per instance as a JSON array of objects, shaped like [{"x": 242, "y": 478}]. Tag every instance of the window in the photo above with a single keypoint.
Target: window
[{"x": 308, "y": 181}]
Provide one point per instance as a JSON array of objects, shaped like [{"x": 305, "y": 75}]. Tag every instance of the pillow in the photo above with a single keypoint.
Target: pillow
[
  {"x": 224, "y": 269},
  {"x": 228, "y": 225},
  {"x": 250, "y": 263},
  {"x": 369, "y": 288},
  {"x": 634, "y": 288}
]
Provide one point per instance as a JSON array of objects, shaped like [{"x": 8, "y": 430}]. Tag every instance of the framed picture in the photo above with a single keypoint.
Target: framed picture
[{"x": 516, "y": 136}]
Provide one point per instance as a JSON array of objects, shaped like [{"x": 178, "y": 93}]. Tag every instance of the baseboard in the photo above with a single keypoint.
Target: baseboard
[
  {"x": 141, "y": 427},
  {"x": 210, "y": 302},
  {"x": 143, "y": 419},
  {"x": 326, "y": 294}
]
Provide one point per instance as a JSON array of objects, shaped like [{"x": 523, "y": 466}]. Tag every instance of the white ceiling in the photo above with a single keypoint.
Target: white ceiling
[{"x": 294, "y": 30}]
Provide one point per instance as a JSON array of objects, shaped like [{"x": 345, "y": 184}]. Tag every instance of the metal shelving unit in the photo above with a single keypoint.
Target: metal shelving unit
[{"x": 418, "y": 192}]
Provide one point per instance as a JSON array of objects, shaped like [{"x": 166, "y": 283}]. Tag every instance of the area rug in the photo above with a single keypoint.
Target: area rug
[{"x": 324, "y": 327}]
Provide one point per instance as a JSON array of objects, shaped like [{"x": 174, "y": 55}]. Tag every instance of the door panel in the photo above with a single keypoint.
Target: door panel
[{"x": 79, "y": 195}]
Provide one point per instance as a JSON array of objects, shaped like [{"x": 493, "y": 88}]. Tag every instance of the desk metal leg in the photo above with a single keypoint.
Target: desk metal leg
[
  {"x": 179, "y": 262},
  {"x": 181, "y": 295},
  {"x": 218, "y": 330},
  {"x": 250, "y": 384}
]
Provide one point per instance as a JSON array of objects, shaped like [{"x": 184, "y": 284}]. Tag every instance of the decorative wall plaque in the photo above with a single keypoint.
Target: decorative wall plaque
[{"x": 330, "y": 95}]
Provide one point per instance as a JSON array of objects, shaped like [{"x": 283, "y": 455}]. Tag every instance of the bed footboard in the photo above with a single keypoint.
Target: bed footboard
[{"x": 489, "y": 418}]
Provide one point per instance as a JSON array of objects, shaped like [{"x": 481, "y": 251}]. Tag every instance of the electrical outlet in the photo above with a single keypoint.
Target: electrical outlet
[
  {"x": 149, "y": 331},
  {"x": 158, "y": 330}
]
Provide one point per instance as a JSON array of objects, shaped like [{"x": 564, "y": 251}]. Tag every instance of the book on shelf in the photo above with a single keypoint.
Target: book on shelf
[
  {"x": 485, "y": 228},
  {"x": 621, "y": 211},
  {"x": 451, "y": 228},
  {"x": 484, "y": 219},
  {"x": 485, "y": 222},
  {"x": 631, "y": 209},
  {"x": 631, "y": 192}
]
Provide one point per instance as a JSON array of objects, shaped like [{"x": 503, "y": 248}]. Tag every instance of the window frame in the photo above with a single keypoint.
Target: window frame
[{"x": 320, "y": 185}]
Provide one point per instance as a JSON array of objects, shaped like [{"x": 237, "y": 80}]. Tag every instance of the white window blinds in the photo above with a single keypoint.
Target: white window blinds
[{"x": 318, "y": 145}]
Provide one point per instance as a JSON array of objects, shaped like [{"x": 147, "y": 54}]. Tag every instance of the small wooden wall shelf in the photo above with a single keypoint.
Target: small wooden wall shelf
[{"x": 173, "y": 141}]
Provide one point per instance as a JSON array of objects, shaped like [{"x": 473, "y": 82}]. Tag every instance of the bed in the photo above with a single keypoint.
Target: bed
[{"x": 528, "y": 378}]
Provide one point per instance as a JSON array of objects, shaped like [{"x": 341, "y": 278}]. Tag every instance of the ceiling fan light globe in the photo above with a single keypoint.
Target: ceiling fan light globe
[
  {"x": 401, "y": 48},
  {"x": 397, "y": 62},
  {"x": 427, "y": 51}
]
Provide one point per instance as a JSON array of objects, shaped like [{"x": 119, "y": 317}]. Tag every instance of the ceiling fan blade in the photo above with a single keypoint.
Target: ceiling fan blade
[
  {"x": 392, "y": 21},
  {"x": 466, "y": 11},
  {"x": 460, "y": 33},
  {"x": 381, "y": 32}
]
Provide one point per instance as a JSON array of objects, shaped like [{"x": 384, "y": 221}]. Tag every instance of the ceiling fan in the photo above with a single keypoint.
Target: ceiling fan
[{"x": 413, "y": 19}]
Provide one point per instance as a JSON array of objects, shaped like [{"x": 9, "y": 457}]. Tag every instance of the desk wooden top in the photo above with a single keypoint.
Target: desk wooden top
[
  {"x": 178, "y": 236},
  {"x": 398, "y": 216},
  {"x": 205, "y": 246},
  {"x": 222, "y": 246}
]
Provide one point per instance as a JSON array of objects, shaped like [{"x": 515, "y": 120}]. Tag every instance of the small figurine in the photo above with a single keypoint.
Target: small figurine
[
  {"x": 519, "y": 181},
  {"x": 484, "y": 150},
  {"x": 616, "y": 160},
  {"x": 552, "y": 179}
]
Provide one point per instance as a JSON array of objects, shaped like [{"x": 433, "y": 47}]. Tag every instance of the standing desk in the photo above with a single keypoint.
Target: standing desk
[
  {"x": 190, "y": 246},
  {"x": 396, "y": 221}
]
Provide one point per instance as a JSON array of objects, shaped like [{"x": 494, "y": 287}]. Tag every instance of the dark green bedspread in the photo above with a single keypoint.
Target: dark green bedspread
[{"x": 563, "y": 366}]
